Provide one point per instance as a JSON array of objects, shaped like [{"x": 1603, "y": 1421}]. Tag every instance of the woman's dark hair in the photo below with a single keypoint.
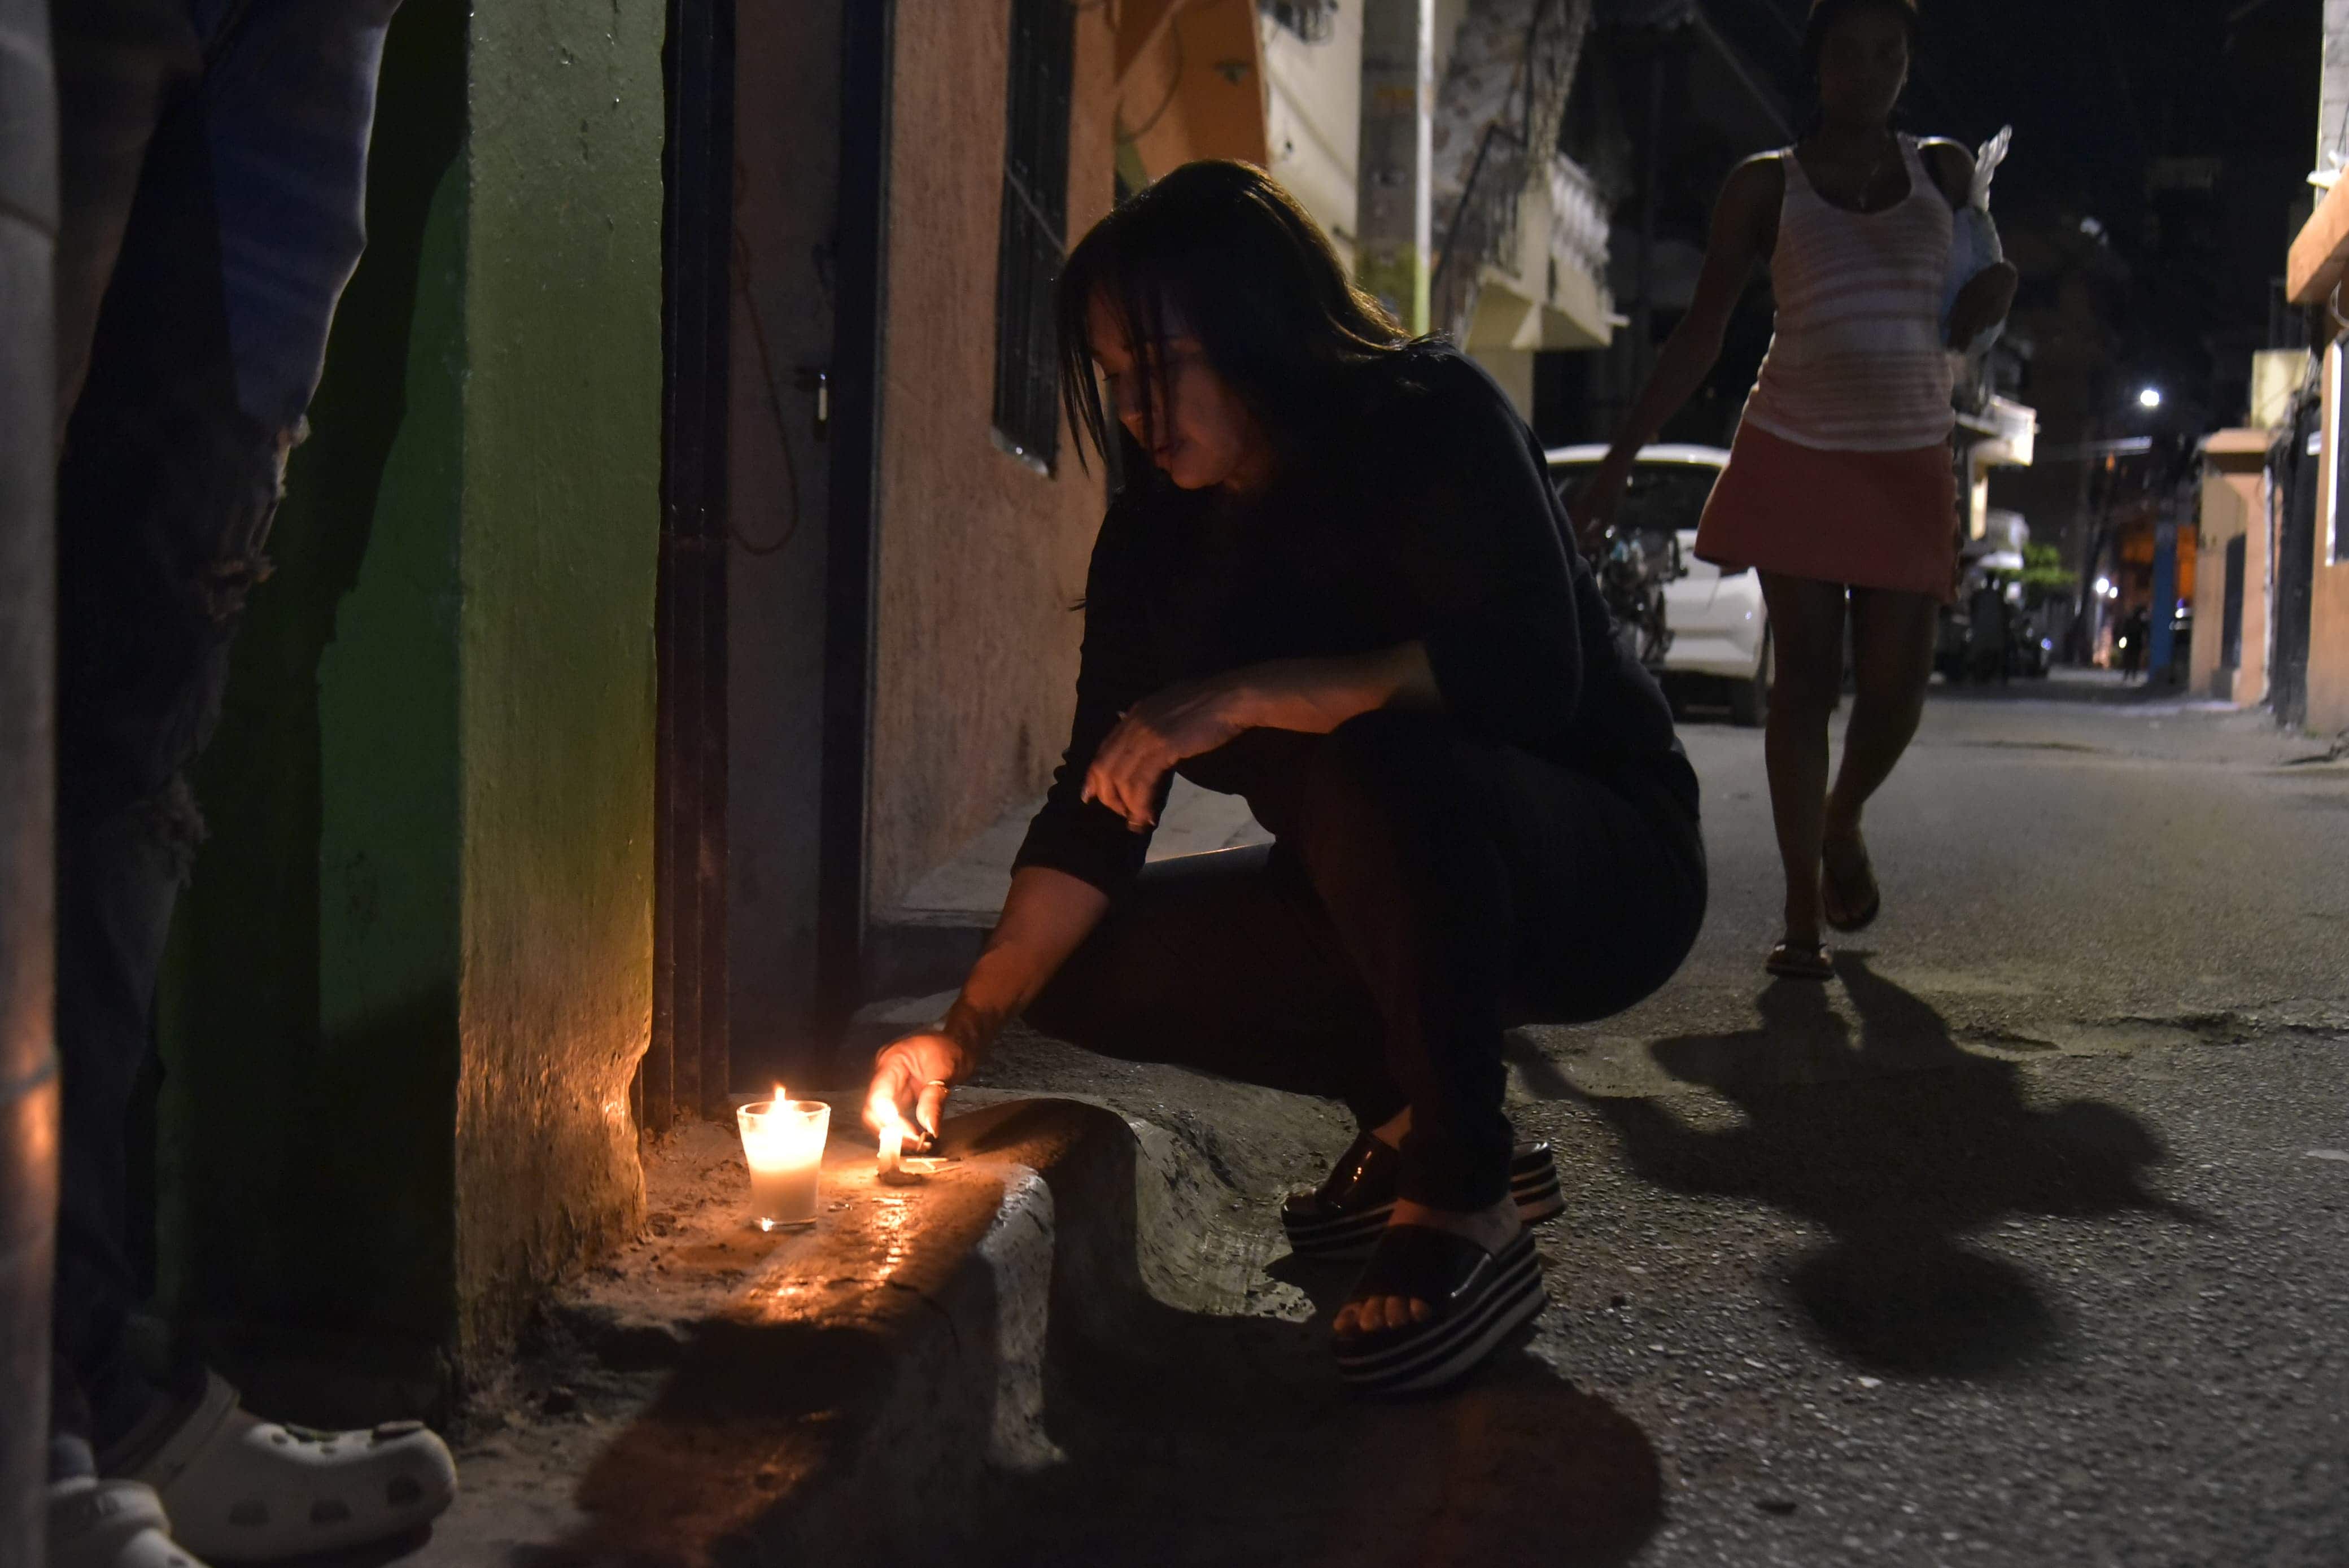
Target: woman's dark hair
[
  {"x": 1826, "y": 13},
  {"x": 1221, "y": 249}
]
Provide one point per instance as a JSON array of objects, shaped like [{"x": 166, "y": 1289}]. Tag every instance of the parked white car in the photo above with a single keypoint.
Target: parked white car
[{"x": 1720, "y": 631}]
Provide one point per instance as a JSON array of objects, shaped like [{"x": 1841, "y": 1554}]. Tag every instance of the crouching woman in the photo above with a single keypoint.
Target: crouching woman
[{"x": 1333, "y": 580}]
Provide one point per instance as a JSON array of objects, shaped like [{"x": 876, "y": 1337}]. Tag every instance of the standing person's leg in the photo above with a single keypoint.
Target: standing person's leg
[
  {"x": 226, "y": 263},
  {"x": 1892, "y": 650},
  {"x": 120, "y": 64},
  {"x": 1806, "y": 621}
]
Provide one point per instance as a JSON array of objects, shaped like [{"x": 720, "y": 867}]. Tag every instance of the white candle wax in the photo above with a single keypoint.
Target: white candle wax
[{"x": 782, "y": 1142}]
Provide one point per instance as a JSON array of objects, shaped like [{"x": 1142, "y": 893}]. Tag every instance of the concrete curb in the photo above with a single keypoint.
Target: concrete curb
[{"x": 868, "y": 1390}]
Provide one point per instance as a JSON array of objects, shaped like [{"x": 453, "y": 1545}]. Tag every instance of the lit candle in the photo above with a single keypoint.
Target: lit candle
[
  {"x": 892, "y": 1147},
  {"x": 782, "y": 1142}
]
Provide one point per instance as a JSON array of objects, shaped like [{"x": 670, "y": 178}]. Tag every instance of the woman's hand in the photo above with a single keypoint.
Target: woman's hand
[
  {"x": 1983, "y": 304},
  {"x": 1047, "y": 916},
  {"x": 911, "y": 1077},
  {"x": 1154, "y": 735},
  {"x": 1592, "y": 506}
]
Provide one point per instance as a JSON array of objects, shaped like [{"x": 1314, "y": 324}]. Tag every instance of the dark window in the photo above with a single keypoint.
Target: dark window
[
  {"x": 2231, "y": 608},
  {"x": 1035, "y": 220},
  {"x": 2339, "y": 552}
]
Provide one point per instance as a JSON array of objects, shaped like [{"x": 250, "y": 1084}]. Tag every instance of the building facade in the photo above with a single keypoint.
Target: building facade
[
  {"x": 901, "y": 635},
  {"x": 2311, "y": 637}
]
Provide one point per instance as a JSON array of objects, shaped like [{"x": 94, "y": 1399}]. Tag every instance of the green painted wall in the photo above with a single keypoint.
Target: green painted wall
[
  {"x": 413, "y": 972},
  {"x": 562, "y": 433}
]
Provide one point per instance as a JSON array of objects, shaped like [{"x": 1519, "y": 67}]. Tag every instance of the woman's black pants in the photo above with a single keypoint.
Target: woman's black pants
[{"x": 1424, "y": 889}]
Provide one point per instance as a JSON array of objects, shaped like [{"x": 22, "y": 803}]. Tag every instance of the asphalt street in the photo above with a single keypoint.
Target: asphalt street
[{"x": 2026, "y": 1241}]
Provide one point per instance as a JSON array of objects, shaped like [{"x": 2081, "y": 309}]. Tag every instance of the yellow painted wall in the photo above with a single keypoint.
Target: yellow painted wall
[{"x": 1191, "y": 75}]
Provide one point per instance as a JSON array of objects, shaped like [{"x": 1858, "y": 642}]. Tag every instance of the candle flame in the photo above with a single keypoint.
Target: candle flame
[
  {"x": 780, "y": 1096},
  {"x": 892, "y": 1143}
]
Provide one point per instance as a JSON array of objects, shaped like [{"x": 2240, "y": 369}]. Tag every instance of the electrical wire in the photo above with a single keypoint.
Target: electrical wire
[
  {"x": 1173, "y": 86},
  {"x": 742, "y": 267}
]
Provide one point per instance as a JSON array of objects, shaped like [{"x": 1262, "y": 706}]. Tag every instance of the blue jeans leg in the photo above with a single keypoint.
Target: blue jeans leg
[{"x": 213, "y": 164}]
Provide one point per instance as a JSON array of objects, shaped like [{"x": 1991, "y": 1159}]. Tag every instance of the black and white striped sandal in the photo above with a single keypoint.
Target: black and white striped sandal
[
  {"x": 1480, "y": 1299},
  {"x": 1342, "y": 1218}
]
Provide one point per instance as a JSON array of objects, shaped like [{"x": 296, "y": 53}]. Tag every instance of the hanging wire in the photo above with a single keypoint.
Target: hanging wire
[
  {"x": 742, "y": 270},
  {"x": 1173, "y": 86}
]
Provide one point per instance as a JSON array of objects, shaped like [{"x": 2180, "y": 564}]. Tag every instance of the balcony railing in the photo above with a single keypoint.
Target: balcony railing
[
  {"x": 1312, "y": 20},
  {"x": 1512, "y": 158},
  {"x": 1580, "y": 230}
]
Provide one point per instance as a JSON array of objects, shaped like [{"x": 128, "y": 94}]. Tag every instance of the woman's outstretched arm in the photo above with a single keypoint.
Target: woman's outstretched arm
[
  {"x": 1744, "y": 231},
  {"x": 1046, "y": 916}
]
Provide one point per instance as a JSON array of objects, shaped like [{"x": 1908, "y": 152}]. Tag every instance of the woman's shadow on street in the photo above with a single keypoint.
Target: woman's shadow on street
[{"x": 1898, "y": 1144}]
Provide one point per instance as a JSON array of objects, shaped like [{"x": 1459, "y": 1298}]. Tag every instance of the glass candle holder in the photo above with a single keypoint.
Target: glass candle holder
[{"x": 782, "y": 1142}]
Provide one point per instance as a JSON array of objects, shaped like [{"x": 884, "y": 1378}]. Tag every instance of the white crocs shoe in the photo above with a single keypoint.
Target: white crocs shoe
[
  {"x": 97, "y": 1523},
  {"x": 249, "y": 1490}
]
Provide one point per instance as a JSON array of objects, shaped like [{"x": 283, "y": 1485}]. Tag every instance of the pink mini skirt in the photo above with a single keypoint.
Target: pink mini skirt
[{"x": 1867, "y": 520}]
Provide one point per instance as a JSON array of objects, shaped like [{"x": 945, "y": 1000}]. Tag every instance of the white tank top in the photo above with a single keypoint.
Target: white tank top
[{"x": 1858, "y": 365}]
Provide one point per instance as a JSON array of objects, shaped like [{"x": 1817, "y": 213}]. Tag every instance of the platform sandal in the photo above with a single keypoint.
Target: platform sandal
[
  {"x": 1342, "y": 1219},
  {"x": 1479, "y": 1300}
]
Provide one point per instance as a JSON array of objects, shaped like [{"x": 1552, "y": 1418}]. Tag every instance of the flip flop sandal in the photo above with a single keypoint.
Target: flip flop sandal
[
  {"x": 1480, "y": 1300},
  {"x": 1342, "y": 1218},
  {"x": 239, "y": 1488},
  {"x": 94, "y": 1523},
  {"x": 1860, "y": 872},
  {"x": 1789, "y": 961}
]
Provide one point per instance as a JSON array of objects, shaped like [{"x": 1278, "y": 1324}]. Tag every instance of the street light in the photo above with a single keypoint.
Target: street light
[
  {"x": 2149, "y": 398},
  {"x": 2104, "y": 587}
]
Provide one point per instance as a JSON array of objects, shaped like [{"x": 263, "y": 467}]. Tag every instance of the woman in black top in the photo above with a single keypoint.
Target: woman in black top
[{"x": 1333, "y": 580}]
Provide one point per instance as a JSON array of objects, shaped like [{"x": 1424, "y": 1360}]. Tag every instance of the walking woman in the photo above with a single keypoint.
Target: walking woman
[
  {"x": 1840, "y": 489},
  {"x": 1333, "y": 580}
]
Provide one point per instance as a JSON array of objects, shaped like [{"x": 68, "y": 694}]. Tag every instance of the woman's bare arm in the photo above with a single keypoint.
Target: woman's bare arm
[
  {"x": 1951, "y": 166},
  {"x": 1047, "y": 917},
  {"x": 1744, "y": 231}
]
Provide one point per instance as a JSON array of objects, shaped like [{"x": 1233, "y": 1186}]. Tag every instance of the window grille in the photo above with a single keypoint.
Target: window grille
[
  {"x": 1312, "y": 20},
  {"x": 1029, "y": 246}
]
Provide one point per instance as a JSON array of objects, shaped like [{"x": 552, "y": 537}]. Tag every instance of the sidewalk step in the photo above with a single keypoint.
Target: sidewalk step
[{"x": 865, "y": 1390}]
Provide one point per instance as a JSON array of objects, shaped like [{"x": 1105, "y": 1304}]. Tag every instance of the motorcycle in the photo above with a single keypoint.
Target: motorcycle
[{"x": 1632, "y": 578}]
